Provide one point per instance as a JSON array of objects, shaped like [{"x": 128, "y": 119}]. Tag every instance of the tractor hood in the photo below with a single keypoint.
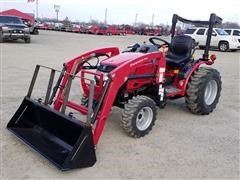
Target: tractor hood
[{"x": 120, "y": 59}]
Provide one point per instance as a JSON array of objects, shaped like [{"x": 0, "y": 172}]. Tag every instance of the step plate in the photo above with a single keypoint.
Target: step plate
[{"x": 172, "y": 89}]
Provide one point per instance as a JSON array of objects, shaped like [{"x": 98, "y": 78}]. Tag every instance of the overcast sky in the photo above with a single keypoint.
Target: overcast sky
[{"x": 124, "y": 11}]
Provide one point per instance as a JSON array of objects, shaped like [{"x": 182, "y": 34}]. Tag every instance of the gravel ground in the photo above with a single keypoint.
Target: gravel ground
[{"x": 181, "y": 145}]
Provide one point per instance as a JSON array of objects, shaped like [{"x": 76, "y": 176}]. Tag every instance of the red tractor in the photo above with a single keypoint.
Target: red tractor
[
  {"x": 109, "y": 30},
  {"x": 154, "y": 31},
  {"x": 136, "y": 80}
]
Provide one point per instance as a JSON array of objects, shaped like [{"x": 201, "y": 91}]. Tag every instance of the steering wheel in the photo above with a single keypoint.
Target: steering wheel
[
  {"x": 152, "y": 40},
  {"x": 94, "y": 66},
  {"x": 89, "y": 64}
]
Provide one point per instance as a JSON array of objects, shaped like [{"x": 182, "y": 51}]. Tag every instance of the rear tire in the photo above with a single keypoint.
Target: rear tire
[
  {"x": 223, "y": 46},
  {"x": 203, "y": 91},
  {"x": 138, "y": 116}
]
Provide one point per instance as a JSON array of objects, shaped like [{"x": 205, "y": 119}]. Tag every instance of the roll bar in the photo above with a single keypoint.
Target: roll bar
[{"x": 213, "y": 20}]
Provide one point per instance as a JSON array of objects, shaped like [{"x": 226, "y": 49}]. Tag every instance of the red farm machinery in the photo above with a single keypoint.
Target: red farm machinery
[{"x": 136, "y": 80}]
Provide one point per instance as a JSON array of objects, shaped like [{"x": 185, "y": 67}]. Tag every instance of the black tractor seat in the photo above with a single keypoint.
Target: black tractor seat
[{"x": 180, "y": 51}]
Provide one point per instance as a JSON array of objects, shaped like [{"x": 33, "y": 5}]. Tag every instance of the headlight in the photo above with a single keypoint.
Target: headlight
[{"x": 5, "y": 28}]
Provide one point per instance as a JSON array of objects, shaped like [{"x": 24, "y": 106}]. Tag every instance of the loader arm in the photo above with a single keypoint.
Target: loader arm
[
  {"x": 117, "y": 78},
  {"x": 72, "y": 67}
]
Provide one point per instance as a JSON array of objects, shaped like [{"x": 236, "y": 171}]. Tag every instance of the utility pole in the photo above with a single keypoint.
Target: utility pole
[
  {"x": 105, "y": 21},
  {"x": 152, "y": 20},
  {"x": 136, "y": 16},
  {"x": 56, "y": 8},
  {"x": 36, "y": 9}
]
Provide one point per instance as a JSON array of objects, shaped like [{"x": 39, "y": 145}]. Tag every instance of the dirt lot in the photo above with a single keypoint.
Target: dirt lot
[{"x": 181, "y": 145}]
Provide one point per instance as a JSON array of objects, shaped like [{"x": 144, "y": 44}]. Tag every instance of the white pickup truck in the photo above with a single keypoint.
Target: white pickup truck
[{"x": 220, "y": 38}]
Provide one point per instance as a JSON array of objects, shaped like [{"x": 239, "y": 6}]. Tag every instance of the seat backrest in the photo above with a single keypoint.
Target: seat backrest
[{"x": 181, "y": 45}]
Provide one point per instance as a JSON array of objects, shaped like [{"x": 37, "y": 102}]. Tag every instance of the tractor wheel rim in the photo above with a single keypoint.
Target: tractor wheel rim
[
  {"x": 210, "y": 92},
  {"x": 223, "y": 47},
  {"x": 144, "y": 118}
]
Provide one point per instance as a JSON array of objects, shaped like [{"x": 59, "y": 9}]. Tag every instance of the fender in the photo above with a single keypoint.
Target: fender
[{"x": 195, "y": 67}]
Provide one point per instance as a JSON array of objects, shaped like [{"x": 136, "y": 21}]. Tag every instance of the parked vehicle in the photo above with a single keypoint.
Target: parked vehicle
[
  {"x": 40, "y": 26},
  {"x": 84, "y": 29},
  {"x": 149, "y": 32},
  {"x": 130, "y": 30},
  {"x": 49, "y": 26},
  {"x": 154, "y": 31},
  {"x": 69, "y": 28},
  {"x": 121, "y": 31},
  {"x": 76, "y": 28},
  {"x": 106, "y": 30},
  {"x": 13, "y": 28},
  {"x": 220, "y": 38},
  {"x": 92, "y": 29},
  {"x": 58, "y": 26}
]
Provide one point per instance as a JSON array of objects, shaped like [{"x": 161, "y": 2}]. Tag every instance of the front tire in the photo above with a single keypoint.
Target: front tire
[
  {"x": 138, "y": 116},
  {"x": 27, "y": 40},
  {"x": 1, "y": 37},
  {"x": 223, "y": 46},
  {"x": 203, "y": 91}
]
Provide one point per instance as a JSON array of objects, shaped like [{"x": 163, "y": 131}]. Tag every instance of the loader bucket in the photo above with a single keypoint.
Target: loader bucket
[{"x": 66, "y": 143}]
